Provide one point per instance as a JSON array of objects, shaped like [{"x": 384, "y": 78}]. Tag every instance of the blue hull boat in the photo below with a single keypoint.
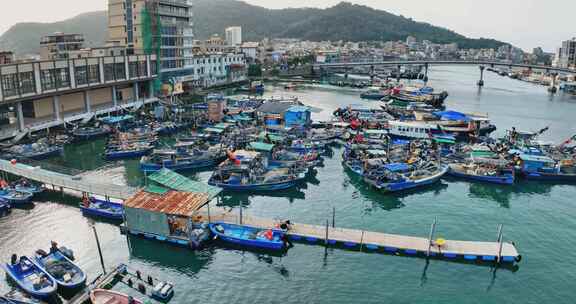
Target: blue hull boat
[
  {"x": 115, "y": 155},
  {"x": 61, "y": 269},
  {"x": 4, "y": 207},
  {"x": 103, "y": 209},
  {"x": 554, "y": 177},
  {"x": 90, "y": 133},
  {"x": 31, "y": 277},
  {"x": 256, "y": 187},
  {"x": 246, "y": 236},
  {"x": 180, "y": 166},
  {"x": 405, "y": 185},
  {"x": 15, "y": 197},
  {"x": 507, "y": 179}
]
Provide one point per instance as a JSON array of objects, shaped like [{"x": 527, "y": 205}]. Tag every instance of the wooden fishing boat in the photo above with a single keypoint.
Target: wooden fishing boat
[
  {"x": 36, "y": 151},
  {"x": 15, "y": 197},
  {"x": 86, "y": 133},
  {"x": 34, "y": 280},
  {"x": 102, "y": 296},
  {"x": 397, "y": 177},
  {"x": 476, "y": 173},
  {"x": 102, "y": 209},
  {"x": 61, "y": 269},
  {"x": 249, "y": 171},
  {"x": 246, "y": 236},
  {"x": 184, "y": 157}
]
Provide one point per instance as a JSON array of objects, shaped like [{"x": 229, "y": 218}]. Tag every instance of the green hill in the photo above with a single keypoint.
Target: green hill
[{"x": 344, "y": 21}]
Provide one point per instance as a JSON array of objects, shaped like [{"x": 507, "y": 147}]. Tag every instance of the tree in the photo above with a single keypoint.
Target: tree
[{"x": 255, "y": 70}]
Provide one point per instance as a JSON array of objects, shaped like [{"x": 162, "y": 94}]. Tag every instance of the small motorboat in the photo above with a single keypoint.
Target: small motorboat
[
  {"x": 115, "y": 153},
  {"x": 4, "y": 207},
  {"x": 103, "y": 209},
  {"x": 15, "y": 197},
  {"x": 163, "y": 291},
  {"x": 34, "y": 280},
  {"x": 102, "y": 296},
  {"x": 249, "y": 236},
  {"x": 61, "y": 269},
  {"x": 26, "y": 186}
]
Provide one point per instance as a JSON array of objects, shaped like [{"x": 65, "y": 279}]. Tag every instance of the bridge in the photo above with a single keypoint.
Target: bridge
[
  {"x": 426, "y": 63},
  {"x": 444, "y": 62},
  {"x": 82, "y": 183}
]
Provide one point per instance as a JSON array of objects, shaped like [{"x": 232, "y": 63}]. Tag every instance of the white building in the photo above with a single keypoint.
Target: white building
[
  {"x": 234, "y": 36},
  {"x": 216, "y": 69},
  {"x": 250, "y": 50},
  {"x": 567, "y": 58}
]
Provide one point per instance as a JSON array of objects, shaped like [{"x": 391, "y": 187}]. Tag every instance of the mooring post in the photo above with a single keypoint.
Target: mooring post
[
  {"x": 398, "y": 75},
  {"x": 240, "y": 203},
  {"x": 333, "y": 217},
  {"x": 99, "y": 249},
  {"x": 481, "y": 81},
  {"x": 326, "y": 237},
  {"x": 500, "y": 243},
  {"x": 431, "y": 235},
  {"x": 361, "y": 240},
  {"x": 425, "y": 73}
]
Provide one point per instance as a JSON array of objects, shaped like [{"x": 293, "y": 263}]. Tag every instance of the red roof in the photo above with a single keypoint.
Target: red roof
[{"x": 171, "y": 202}]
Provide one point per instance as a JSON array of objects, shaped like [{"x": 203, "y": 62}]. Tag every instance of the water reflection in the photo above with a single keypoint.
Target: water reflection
[
  {"x": 503, "y": 194},
  {"x": 177, "y": 258}
]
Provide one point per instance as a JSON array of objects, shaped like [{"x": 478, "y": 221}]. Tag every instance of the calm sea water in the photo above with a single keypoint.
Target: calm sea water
[{"x": 538, "y": 217}]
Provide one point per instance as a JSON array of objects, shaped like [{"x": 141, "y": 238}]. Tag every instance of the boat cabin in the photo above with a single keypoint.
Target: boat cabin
[{"x": 416, "y": 130}]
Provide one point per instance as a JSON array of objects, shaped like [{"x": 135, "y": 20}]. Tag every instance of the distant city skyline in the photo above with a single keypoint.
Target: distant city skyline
[{"x": 523, "y": 23}]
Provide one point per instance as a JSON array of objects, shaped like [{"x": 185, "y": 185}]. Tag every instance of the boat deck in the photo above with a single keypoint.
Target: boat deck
[{"x": 390, "y": 243}]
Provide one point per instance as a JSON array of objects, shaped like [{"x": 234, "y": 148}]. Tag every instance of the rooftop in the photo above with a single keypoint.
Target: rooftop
[{"x": 171, "y": 202}]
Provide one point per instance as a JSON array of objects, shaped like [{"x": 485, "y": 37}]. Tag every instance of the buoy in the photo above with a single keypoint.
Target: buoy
[{"x": 13, "y": 161}]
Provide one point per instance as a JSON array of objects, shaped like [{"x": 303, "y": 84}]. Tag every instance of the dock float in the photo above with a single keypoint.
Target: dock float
[{"x": 370, "y": 241}]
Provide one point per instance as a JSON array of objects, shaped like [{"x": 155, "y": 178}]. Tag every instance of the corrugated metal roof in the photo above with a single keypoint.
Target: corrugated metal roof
[
  {"x": 175, "y": 181},
  {"x": 172, "y": 202}
]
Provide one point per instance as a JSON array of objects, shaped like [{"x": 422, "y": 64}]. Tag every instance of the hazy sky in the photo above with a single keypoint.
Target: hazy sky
[{"x": 524, "y": 23}]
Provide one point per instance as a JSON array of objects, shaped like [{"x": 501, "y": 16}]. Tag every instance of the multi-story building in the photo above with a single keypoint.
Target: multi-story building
[
  {"x": 165, "y": 28},
  {"x": 161, "y": 27},
  {"x": 61, "y": 46},
  {"x": 6, "y": 57},
  {"x": 567, "y": 54},
  {"x": 234, "y": 35}
]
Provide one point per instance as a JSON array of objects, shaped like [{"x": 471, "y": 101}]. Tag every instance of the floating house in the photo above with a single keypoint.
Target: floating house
[{"x": 167, "y": 210}]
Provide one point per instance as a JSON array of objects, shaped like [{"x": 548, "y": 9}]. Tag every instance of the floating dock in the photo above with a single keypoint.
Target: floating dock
[{"x": 387, "y": 243}]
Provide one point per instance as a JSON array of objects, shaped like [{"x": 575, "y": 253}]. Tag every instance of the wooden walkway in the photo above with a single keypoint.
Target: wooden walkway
[
  {"x": 96, "y": 186},
  {"x": 390, "y": 243}
]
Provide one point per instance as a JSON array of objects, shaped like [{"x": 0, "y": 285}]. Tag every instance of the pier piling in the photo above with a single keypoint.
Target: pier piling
[
  {"x": 99, "y": 249},
  {"x": 431, "y": 236},
  {"x": 481, "y": 81}
]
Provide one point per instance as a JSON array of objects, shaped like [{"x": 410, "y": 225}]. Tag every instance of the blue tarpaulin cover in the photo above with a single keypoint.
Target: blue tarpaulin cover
[
  {"x": 396, "y": 167},
  {"x": 452, "y": 115}
]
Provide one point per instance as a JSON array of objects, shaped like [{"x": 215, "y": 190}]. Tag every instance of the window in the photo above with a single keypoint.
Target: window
[
  {"x": 153, "y": 67},
  {"x": 62, "y": 77},
  {"x": 27, "y": 83},
  {"x": 109, "y": 72},
  {"x": 133, "y": 69},
  {"x": 9, "y": 85},
  {"x": 142, "y": 69},
  {"x": 120, "y": 71},
  {"x": 48, "y": 79},
  {"x": 81, "y": 75},
  {"x": 93, "y": 74}
]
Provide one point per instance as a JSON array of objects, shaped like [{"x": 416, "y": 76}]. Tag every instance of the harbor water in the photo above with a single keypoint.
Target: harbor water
[{"x": 538, "y": 217}]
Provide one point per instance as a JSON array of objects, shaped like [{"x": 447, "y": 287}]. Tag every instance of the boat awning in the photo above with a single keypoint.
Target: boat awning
[
  {"x": 396, "y": 167},
  {"x": 214, "y": 130},
  {"x": 175, "y": 181},
  {"x": 536, "y": 158},
  {"x": 116, "y": 119},
  {"x": 400, "y": 142},
  {"x": 222, "y": 126},
  {"x": 171, "y": 202},
  {"x": 375, "y": 132},
  {"x": 260, "y": 146},
  {"x": 375, "y": 152},
  {"x": 452, "y": 115}
]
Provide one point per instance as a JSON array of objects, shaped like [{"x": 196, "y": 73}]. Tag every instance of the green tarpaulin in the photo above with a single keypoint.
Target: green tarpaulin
[{"x": 175, "y": 181}]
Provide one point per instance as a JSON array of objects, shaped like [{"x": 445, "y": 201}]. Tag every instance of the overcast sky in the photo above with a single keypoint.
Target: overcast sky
[{"x": 524, "y": 23}]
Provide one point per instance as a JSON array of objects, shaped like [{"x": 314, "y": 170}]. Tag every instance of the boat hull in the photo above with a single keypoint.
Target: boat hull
[
  {"x": 501, "y": 180},
  {"x": 238, "y": 233},
  {"x": 127, "y": 154},
  {"x": 260, "y": 187},
  {"x": 101, "y": 296},
  {"x": 78, "y": 281},
  {"x": 540, "y": 176},
  {"x": 113, "y": 212},
  {"x": 19, "y": 277},
  {"x": 408, "y": 185}
]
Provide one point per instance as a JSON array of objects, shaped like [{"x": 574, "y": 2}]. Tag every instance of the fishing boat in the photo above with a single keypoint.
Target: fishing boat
[
  {"x": 15, "y": 197},
  {"x": 249, "y": 171},
  {"x": 129, "y": 150},
  {"x": 358, "y": 158},
  {"x": 30, "y": 277},
  {"x": 4, "y": 207},
  {"x": 86, "y": 133},
  {"x": 488, "y": 171},
  {"x": 374, "y": 93},
  {"x": 25, "y": 185},
  {"x": 396, "y": 177},
  {"x": 545, "y": 168},
  {"x": 103, "y": 296},
  {"x": 247, "y": 236},
  {"x": 307, "y": 146},
  {"x": 186, "y": 156},
  {"x": 37, "y": 151},
  {"x": 61, "y": 269},
  {"x": 102, "y": 209}
]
